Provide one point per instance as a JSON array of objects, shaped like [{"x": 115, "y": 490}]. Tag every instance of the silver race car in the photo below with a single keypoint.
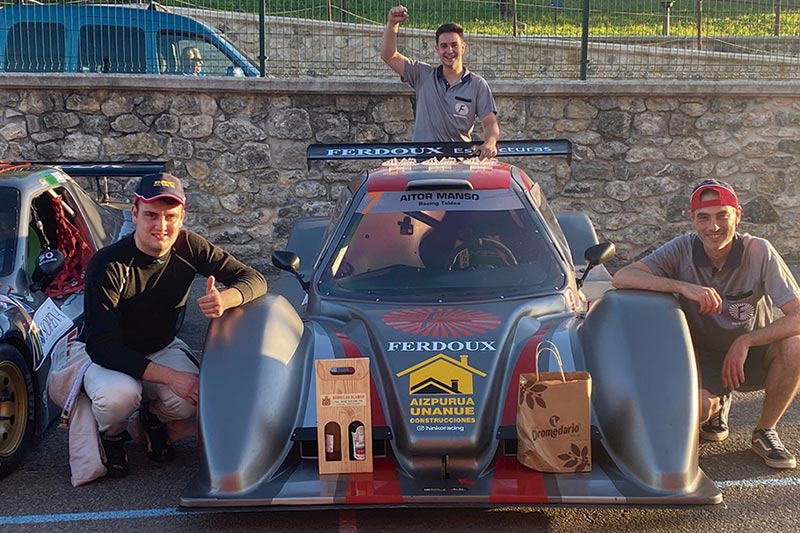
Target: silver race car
[{"x": 446, "y": 274}]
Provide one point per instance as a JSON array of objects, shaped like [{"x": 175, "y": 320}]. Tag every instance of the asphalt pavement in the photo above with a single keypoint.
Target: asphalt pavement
[{"x": 39, "y": 497}]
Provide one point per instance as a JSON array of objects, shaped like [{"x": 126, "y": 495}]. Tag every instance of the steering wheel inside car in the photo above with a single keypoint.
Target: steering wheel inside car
[{"x": 481, "y": 253}]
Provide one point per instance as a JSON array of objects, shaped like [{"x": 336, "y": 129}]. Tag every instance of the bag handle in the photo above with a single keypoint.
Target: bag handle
[{"x": 549, "y": 346}]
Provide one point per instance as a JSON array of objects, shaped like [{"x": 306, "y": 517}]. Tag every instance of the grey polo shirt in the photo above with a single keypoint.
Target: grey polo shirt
[
  {"x": 752, "y": 280},
  {"x": 446, "y": 112}
]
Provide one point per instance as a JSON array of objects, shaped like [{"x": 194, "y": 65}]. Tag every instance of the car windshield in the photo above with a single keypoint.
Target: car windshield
[
  {"x": 442, "y": 245},
  {"x": 9, "y": 212}
]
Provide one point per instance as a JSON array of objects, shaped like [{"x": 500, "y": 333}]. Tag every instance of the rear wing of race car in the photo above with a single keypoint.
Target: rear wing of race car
[
  {"x": 327, "y": 152},
  {"x": 101, "y": 171},
  {"x": 107, "y": 169}
]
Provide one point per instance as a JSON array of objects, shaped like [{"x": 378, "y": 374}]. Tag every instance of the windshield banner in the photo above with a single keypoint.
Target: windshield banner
[{"x": 445, "y": 200}]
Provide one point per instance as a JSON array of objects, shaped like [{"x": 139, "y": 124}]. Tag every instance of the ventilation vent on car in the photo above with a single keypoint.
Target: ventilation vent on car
[{"x": 439, "y": 183}]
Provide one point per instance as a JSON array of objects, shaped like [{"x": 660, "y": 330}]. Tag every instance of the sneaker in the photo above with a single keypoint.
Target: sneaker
[
  {"x": 116, "y": 460},
  {"x": 716, "y": 428},
  {"x": 768, "y": 445},
  {"x": 159, "y": 450}
]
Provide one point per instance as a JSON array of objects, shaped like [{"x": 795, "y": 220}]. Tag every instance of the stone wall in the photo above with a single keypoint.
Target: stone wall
[{"x": 240, "y": 146}]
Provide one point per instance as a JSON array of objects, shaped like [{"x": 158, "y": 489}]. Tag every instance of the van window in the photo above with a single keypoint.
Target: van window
[
  {"x": 177, "y": 54},
  {"x": 35, "y": 47},
  {"x": 107, "y": 49}
]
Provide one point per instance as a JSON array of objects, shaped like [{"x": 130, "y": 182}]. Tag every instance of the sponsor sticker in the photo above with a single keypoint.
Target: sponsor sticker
[
  {"x": 482, "y": 200},
  {"x": 440, "y": 392},
  {"x": 344, "y": 400},
  {"x": 437, "y": 346},
  {"x": 445, "y": 323},
  {"x": 396, "y": 151},
  {"x": 401, "y": 150},
  {"x": 50, "y": 178},
  {"x": 50, "y": 324}
]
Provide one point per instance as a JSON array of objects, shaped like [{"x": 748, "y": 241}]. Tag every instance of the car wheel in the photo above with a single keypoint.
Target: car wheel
[{"x": 16, "y": 408}]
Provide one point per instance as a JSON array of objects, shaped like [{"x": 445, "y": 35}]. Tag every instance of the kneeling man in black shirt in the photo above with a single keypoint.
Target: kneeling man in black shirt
[{"x": 135, "y": 291}]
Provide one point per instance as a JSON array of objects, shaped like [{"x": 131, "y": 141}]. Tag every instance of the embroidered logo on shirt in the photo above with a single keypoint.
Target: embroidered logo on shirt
[
  {"x": 462, "y": 109},
  {"x": 741, "y": 312}
]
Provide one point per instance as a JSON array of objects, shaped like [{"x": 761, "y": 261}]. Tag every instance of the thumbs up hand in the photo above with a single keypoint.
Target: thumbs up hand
[{"x": 211, "y": 303}]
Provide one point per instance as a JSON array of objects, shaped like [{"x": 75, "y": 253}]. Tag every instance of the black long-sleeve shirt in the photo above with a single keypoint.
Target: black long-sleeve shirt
[{"x": 132, "y": 300}]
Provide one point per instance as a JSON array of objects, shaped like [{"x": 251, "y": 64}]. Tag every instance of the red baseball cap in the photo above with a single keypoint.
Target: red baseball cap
[{"x": 725, "y": 195}]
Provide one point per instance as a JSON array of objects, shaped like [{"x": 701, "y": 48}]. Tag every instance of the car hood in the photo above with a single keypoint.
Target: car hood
[{"x": 444, "y": 377}]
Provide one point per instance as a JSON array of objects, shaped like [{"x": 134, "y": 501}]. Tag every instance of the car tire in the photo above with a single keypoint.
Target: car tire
[{"x": 17, "y": 413}]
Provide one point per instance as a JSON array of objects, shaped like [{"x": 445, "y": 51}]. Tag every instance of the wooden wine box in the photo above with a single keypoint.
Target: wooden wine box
[{"x": 344, "y": 416}]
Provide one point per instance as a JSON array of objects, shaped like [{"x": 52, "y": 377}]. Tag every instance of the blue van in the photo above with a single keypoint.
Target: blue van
[{"x": 107, "y": 39}]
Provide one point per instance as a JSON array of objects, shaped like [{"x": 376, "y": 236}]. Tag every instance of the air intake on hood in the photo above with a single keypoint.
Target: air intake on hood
[{"x": 441, "y": 183}]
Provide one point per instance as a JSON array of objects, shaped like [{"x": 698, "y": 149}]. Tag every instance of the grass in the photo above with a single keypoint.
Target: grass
[
  {"x": 537, "y": 17},
  {"x": 746, "y": 18}
]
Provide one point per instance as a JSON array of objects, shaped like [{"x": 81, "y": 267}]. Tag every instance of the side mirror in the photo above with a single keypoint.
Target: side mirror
[
  {"x": 289, "y": 262},
  {"x": 597, "y": 254},
  {"x": 48, "y": 264},
  {"x": 285, "y": 260}
]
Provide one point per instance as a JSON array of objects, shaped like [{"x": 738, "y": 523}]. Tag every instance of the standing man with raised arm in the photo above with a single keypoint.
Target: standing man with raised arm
[
  {"x": 135, "y": 291},
  {"x": 449, "y": 97},
  {"x": 727, "y": 284}
]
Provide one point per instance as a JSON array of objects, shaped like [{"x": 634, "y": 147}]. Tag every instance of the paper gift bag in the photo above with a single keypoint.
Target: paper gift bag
[{"x": 554, "y": 418}]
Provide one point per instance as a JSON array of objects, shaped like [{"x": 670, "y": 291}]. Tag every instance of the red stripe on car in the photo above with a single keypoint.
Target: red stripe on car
[
  {"x": 514, "y": 483},
  {"x": 379, "y": 486},
  {"x": 525, "y": 364},
  {"x": 351, "y": 350},
  {"x": 388, "y": 181},
  {"x": 491, "y": 179}
]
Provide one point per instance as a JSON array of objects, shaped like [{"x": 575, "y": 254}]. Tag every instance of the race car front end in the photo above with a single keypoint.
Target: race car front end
[
  {"x": 446, "y": 276},
  {"x": 444, "y": 410}
]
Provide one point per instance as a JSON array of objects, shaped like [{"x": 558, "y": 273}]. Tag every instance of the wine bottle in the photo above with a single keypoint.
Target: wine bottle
[
  {"x": 333, "y": 442},
  {"x": 358, "y": 441}
]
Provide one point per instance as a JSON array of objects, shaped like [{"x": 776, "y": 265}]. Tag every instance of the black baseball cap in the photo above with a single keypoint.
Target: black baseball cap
[{"x": 157, "y": 186}]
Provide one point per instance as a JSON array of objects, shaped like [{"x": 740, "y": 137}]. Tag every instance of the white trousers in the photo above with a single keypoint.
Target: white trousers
[{"x": 116, "y": 396}]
